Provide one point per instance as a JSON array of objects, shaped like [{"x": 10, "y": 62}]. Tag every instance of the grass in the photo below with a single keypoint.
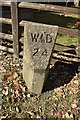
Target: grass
[{"x": 67, "y": 40}]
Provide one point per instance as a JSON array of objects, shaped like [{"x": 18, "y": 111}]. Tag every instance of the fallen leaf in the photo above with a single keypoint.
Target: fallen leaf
[
  {"x": 22, "y": 88},
  {"x": 15, "y": 75},
  {"x": 28, "y": 95},
  {"x": 17, "y": 110},
  {"x": 67, "y": 115},
  {"x": 71, "y": 116},
  {"x": 5, "y": 77},
  {"x": 16, "y": 93},
  {"x": 30, "y": 113},
  {"x": 58, "y": 114},
  {"x": 5, "y": 91},
  {"x": 16, "y": 84},
  {"x": 76, "y": 82},
  {"x": 73, "y": 105},
  {"x": 17, "y": 79},
  {"x": 1, "y": 69}
]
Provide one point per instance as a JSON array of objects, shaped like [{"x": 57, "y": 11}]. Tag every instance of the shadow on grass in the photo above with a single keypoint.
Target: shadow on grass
[{"x": 61, "y": 73}]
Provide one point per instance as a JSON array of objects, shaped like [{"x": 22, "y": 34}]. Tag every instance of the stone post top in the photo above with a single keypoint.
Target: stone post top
[{"x": 23, "y": 23}]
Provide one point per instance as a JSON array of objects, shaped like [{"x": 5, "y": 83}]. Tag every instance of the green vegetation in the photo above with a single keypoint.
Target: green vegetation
[{"x": 67, "y": 40}]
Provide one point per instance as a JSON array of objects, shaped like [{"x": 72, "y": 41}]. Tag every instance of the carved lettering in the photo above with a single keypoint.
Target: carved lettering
[
  {"x": 34, "y": 37},
  {"x": 42, "y": 38},
  {"x": 35, "y": 51},
  {"x": 45, "y": 38},
  {"x": 48, "y": 38},
  {"x": 44, "y": 52}
]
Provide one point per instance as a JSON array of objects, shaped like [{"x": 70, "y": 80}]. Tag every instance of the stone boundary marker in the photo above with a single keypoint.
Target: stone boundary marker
[{"x": 39, "y": 41}]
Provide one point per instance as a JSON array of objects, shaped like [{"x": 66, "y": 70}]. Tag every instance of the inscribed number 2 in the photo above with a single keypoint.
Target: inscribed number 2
[
  {"x": 44, "y": 52},
  {"x": 36, "y": 50}
]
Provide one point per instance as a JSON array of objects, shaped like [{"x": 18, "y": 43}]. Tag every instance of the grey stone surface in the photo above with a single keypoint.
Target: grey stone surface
[{"x": 39, "y": 42}]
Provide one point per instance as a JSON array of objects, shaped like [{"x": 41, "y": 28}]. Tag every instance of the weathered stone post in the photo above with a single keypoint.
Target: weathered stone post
[{"x": 39, "y": 40}]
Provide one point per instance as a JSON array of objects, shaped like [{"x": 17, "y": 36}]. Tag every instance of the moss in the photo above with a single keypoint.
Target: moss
[{"x": 67, "y": 40}]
